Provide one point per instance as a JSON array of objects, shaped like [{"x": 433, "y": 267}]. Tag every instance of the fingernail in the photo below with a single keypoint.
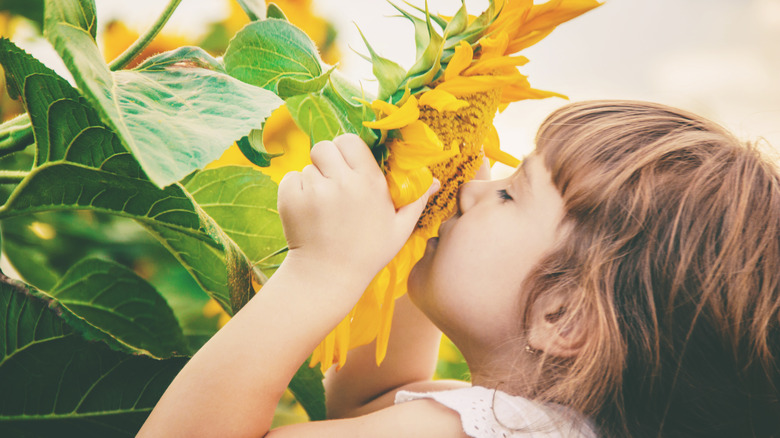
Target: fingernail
[{"x": 436, "y": 185}]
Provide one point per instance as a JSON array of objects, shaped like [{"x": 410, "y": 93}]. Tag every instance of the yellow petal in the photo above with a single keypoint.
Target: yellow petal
[
  {"x": 342, "y": 342},
  {"x": 459, "y": 61},
  {"x": 482, "y": 67},
  {"x": 527, "y": 26},
  {"x": 408, "y": 185},
  {"x": 555, "y": 12},
  {"x": 442, "y": 101},
  {"x": 384, "y": 108},
  {"x": 493, "y": 150},
  {"x": 387, "y": 318},
  {"x": 494, "y": 46},
  {"x": 408, "y": 113},
  {"x": 515, "y": 93}
]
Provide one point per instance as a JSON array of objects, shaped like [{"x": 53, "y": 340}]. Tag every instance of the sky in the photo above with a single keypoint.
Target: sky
[{"x": 718, "y": 58}]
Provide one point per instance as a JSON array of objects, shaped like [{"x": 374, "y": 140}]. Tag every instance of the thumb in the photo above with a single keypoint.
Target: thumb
[{"x": 408, "y": 215}]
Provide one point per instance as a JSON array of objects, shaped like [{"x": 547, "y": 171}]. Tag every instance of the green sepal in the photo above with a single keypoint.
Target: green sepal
[
  {"x": 438, "y": 20},
  {"x": 421, "y": 37},
  {"x": 274, "y": 11},
  {"x": 388, "y": 73},
  {"x": 429, "y": 61},
  {"x": 474, "y": 31},
  {"x": 253, "y": 149},
  {"x": 459, "y": 21},
  {"x": 290, "y": 86}
]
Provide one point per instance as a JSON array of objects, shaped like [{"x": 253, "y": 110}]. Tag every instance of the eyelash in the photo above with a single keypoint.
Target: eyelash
[{"x": 504, "y": 195}]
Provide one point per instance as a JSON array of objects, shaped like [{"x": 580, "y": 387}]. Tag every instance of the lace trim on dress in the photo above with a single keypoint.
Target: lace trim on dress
[{"x": 488, "y": 413}]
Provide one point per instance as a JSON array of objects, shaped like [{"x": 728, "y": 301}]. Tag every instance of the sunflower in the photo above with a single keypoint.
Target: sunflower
[{"x": 438, "y": 123}]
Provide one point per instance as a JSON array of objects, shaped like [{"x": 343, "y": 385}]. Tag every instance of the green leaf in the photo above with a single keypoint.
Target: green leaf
[
  {"x": 254, "y": 150},
  {"x": 82, "y": 187},
  {"x": 388, "y": 73},
  {"x": 174, "y": 120},
  {"x": 306, "y": 386},
  {"x": 288, "y": 86},
  {"x": 318, "y": 117},
  {"x": 56, "y": 383},
  {"x": 264, "y": 52},
  {"x": 242, "y": 201},
  {"x": 254, "y": 9},
  {"x": 205, "y": 262},
  {"x": 115, "y": 300},
  {"x": 275, "y": 11},
  {"x": 188, "y": 56},
  {"x": 78, "y": 13}
]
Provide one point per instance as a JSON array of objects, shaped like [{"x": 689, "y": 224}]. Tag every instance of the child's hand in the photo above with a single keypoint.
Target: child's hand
[{"x": 337, "y": 213}]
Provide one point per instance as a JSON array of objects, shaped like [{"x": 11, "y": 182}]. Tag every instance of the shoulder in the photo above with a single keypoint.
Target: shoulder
[{"x": 424, "y": 418}]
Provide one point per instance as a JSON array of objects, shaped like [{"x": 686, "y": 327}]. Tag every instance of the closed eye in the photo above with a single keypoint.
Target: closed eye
[{"x": 503, "y": 194}]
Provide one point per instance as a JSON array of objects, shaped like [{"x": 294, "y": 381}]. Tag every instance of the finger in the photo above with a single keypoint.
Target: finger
[
  {"x": 408, "y": 215},
  {"x": 290, "y": 189},
  {"x": 355, "y": 151},
  {"x": 328, "y": 159},
  {"x": 310, "y": 177}
]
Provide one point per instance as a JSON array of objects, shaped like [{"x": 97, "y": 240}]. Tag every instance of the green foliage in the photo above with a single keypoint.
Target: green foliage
[
  {"x": 264, "y": 52},
  {"x": 317, "y": 116},
  {"x": 118, "y": 302},
  {"x": 57, "y": 383},
  {"x": 146, "y": 108},
  {"x": 122, "y": 150}
]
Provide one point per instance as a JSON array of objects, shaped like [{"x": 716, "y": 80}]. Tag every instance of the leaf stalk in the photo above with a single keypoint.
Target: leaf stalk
[
  {"x": 12, "y": 176},
  {"x": 15, "y": 135},
  {"x": 140, "y": 44}
]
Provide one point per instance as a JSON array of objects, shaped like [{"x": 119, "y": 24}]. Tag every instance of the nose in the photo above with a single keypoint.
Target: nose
[{"x": 470, "y": 193}]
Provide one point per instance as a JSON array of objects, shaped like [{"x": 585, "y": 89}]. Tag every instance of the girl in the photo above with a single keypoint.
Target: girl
[{"x": 623, "y": 282}]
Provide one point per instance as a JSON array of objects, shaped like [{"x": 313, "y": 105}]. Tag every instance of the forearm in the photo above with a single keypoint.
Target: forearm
[
  {"x": 232, "y": 385},
  {"x": 411, "y": 357}
]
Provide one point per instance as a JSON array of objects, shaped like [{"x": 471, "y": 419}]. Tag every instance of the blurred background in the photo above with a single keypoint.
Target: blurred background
[{"x": 718, "y": 58}]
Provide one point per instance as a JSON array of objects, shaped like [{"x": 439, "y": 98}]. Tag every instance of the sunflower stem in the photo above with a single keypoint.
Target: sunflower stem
[{"x": 140, "y": 44}]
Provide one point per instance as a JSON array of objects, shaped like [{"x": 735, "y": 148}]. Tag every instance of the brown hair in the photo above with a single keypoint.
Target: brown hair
[{"x": 672, "y": 263}]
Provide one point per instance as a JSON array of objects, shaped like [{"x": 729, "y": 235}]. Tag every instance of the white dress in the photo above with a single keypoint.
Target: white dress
[{"x": 488, "y": 413}]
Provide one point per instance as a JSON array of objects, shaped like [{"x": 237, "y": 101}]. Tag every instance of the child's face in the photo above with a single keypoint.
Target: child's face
[{"x": 468, "y": 282}]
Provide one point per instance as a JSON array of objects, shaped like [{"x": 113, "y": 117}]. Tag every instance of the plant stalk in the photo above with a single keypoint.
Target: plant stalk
[
  {"x": 140, "y": 44},
  {"x": 12, "y": 176},
  {"x": 15, "y": 135}
]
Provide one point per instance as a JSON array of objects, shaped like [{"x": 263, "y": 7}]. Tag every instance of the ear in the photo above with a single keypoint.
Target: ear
[{"x": 553, "y": 330}]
